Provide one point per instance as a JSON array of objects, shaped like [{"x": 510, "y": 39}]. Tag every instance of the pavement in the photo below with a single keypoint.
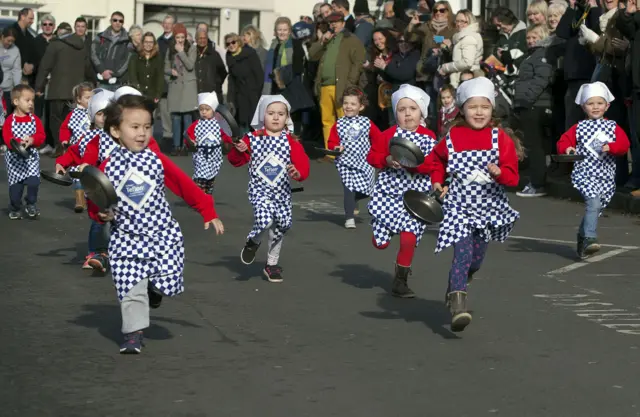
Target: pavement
[{"x": 550, "y": 337}]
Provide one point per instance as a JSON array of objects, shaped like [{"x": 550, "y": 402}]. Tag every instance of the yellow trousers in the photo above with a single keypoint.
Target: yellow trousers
[{"x": 329, "y": 112}]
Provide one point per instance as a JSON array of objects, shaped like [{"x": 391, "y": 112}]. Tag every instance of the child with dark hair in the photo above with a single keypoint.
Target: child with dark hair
[
  {"x": 352, "y": 135},
  {"x": 447, "y": 109}
]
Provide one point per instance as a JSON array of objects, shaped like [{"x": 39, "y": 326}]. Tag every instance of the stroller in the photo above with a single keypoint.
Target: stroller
[{"x": 504, "y": 89}]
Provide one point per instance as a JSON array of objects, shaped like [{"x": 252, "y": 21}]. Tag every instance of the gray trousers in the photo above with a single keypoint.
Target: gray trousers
[
  {"x": 134, "y": 308},
  {"x": 165, "y": 117}
]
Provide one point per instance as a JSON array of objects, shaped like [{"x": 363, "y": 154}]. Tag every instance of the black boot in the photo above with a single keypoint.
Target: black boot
[
  {"x": 460, "y": 317},
  {"x": 580, "y": 247},
  {"x": 587, "y": 246},
  {"x": 470, "y": 275},
  {"x": 400, "y": 287}
]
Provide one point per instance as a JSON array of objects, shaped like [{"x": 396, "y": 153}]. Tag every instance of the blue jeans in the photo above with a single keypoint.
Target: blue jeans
[
  {"x": 589, "y": 222},
  {"x": 77, "y": 185},
  {"x": 99, "y": 234},
  {"x": 179, "y": 123}
]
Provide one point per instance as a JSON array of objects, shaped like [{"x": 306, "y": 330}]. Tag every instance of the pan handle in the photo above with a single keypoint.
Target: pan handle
[
  {"x": 297, "y": 190},
  {"x": 75, "y": 174},
  {"x": 439, "y": 196}
]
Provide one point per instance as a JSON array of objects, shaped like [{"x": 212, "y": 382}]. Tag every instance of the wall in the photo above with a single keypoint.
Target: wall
[{"x": 69, "y": 10}]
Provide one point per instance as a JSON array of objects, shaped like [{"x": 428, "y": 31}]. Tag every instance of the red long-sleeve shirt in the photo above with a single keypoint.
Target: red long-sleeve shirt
[
  {"x": 91, "y": 153},
  {"x": 179, "y": 183},
  {"x": 191, "y": 133},
  {"x": 617, "y": 148},
  {"x": 467, "y": 139},
  {"x": 334, "y": 138},
  {"x": 7, "y": 134},
  {"x": 379, "y": 151},
  {"x": 71, "y": 157},
  {"x": 299, "y": 158}
]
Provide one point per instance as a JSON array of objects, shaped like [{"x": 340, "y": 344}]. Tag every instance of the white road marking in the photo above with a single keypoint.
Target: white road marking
[
  {"x": 569, "y": 242},
  {"x": 597, "y": 258}
]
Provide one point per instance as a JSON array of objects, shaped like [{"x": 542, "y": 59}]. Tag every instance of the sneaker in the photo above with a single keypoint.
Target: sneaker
[
  {"x": 273, "y": 273},
  {"x": 99, "y": 262},
  {"x": 86, "y": 264},
  {"x": 356, "y": 212},
  {"x": 32, "y": 211},
  {"x": 155, "y": 298},
  {"x": 248, "y": 254},
  {"x": 132, "y": 343},
  {"x": 15, "y": 215},
  {"x": 591, "y": 246},
  {"x": 46, "y": 150},
  {"x": 530, "y": 191},
  {"x": 350, "y": 224},
  {"x": 3, "y": 149}
]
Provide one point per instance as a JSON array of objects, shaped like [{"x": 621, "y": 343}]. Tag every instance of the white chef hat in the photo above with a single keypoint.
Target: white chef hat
[
  {"x": 476, "y": 87},
  {"x": 258, "y": 117},
  {"x": 125, "y": 91},
  {"x": 98, "y": 102},
  {"x": 210, "y": 99},
  {"x": 597, "y": 89},
  {"x": 414, "y": 93}
]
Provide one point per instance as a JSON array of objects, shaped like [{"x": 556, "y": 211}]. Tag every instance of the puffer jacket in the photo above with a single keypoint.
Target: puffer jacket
[
  {"x": 110, "y": 52},
  {"x": 467, "y": 53},
  {"x": 533, "y": 84},
  {"x": 515, "y": 44}
]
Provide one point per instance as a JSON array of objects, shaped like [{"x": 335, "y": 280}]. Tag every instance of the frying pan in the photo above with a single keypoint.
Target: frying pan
[
  {"x": 18, "y": 148},
  {"x": 97, "y": 187},
  {"x": 405, "y": 152},
  {"x": 570, "y": 157},
  {"x": 59, "y": 179},
  {"x": 426, "y": 207},
  {"x": 329, "y": 152}
]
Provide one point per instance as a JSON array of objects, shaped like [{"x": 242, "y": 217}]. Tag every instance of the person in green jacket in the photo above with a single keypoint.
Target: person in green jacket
[{"x": 146, "y": 68}]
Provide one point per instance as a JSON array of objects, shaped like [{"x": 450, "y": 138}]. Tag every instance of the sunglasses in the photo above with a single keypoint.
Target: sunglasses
[
  {"x": 443, "y": 11},
  {"x": 231, "y": 43},
  {"x": 117, "y": 20},
  {"x": 47, "y": 24}
]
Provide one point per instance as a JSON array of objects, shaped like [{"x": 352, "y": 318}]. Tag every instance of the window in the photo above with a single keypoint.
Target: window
[
  {"x": 93, "y": 26},
  {"x": 188, "y": 16},
  {"x": 10, "y": 13},
  {"x": 248, "y": 17}
]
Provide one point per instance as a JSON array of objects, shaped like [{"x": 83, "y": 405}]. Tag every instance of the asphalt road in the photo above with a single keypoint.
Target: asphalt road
[{"x": 549, "y": 338}]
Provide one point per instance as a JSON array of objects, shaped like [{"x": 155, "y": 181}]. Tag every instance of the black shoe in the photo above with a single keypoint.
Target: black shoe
[
  {"x": 399, "y": 287},
  {"x": 460, "y": 317},
  {"x": 273, "y": 273},
  {"x": 248, "y": 254},
  {"x": 587, "y": 246},
  {"x": 155, "y": 298}
]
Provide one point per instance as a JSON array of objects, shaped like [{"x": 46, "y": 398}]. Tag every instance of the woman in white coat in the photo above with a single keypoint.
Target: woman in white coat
[{"x": 467, "y": 48}]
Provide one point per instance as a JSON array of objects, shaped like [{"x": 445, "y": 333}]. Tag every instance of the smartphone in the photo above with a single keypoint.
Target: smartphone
[
  {"x": 438, "y": 39},
  {"x": 424, "y": 17}
]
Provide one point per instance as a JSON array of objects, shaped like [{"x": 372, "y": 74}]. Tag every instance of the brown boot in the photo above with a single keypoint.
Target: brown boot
[
  {"x": 81, "y": 203},
  {"x": 460, "y": 317},
  {"x": 400, "y": 288}
]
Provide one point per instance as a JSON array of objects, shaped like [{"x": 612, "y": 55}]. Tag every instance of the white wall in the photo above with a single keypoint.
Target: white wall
[{"x": 69, "y": 10}]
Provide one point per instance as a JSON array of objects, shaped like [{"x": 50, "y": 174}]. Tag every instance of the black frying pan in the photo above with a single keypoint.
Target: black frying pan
[
  {"x": 405, "y": 152},
  {"x": 426, "y": 207},
  {"x": 97, "y": 187},
  {"x": 59, "y": 179},
  {"x": 329, "y": 152},
  {"x": 18, "y": 148},
  {"x": 568, "y": 157},
  {"x": 228, "y": 123}
]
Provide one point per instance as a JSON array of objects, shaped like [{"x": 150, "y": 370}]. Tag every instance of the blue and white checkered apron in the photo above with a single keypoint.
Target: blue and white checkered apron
[
  {"x": 146, "y": 241},
  {"x": 269, "y": 185},
  {"x": 18, "y": 168},
  {"x": 85, "y": 139},
  {"x": 207, "y": 160},
  {"x": 595, "y": 177},
  {"x": 389, "y": 217},
  {"x": 79, "y": 123},
  {"x": 356, "y": 173},
  {"x": 474, "y": 206}
]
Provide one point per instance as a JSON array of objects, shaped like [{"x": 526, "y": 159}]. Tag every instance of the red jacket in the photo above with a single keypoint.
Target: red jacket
[
  {"x": 334, "y": 138},
  {"x": 191, "y": 133},
  {"x": 379, "y": 151},
  {"x": 91, "y": 152},
  {"x": 617, "y": 148},
  {"x": 38, "y": 137}
]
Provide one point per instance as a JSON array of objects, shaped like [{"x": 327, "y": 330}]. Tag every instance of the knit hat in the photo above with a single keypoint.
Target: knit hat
[
  {"x": 179, "y": 28},
  {"x": 361, "y": 7},
  {"x": 335, "y": 17}
]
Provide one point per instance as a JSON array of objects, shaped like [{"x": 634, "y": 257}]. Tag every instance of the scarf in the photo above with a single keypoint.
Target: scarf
[
  {"x": 604, "y": 19},
  {"x": 285, "y": 57},
  {"x": 446, "y": 111},
  {"x": 438, "y": 26}
]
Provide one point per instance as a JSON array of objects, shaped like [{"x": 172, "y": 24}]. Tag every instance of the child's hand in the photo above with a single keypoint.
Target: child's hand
[
  {"x": 339, "y": 148},
  {"x": 241, "y": 146},
  {"x": 494, "y": 170},
  {"x": 293, "y": 172},
  {"x": 82, "y": 167},
  {"x": 440, "y": 189},
  {"x": 217, "y": 225},
  {"x": 60, "y": 169},
  {"x": 392, "y": 163},
  {"x": 28, "y": 141},
  {"x": 605, "y": 148},
  {"x": 570, "y": 150},
  {"x": 106, "y": 216}
]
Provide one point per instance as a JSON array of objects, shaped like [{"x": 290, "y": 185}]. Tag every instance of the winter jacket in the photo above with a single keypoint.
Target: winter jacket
[
  {"x": 147, "y": 75},
  {"x": 513, "y": 46},
  {"x": 533, "y": 84},
  {"x": 109, "y": 52},
  {"x": 59, "y": 53},
  {"x": 183, "y": 89},
  {"x": 402, "y": 69},
  {"x": 246, "y": 78},
  {"x": 603, "y": 48},
  {"x": 629, "y": 26},
  {"x": 210, "y": 71},
  {"x": 424, "y": 35},
  {"x": 467, "y": 53},
  {"x": 579, "y": 62},
  {"x": 364, "y": 30},
  {"x": 11, "y": 66}
]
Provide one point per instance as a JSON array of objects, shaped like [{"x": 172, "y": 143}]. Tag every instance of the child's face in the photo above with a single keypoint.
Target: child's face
[
  {"x": 477, "y": 112},
  {"x": 408, "y": 114},
  {"x": 275, "y": 117},
  {"x": 206, "y": 112},
  {"x": 447, "y": 98},
  {"x": 98, "y": 120},
  {"x": 134, "y": 133},
  {"x": 83, "y": 100},
  {"x": 532, "y": 39},
  {"x": 351, "y": 106},
  {"x": 596, "y": 107},
  {"x": 24, "y": 103}
]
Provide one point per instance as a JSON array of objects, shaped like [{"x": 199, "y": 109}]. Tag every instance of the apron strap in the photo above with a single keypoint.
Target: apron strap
[{"x": 449, "y": 143}]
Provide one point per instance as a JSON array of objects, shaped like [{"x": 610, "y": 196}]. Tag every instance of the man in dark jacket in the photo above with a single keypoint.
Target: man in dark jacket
[
  {"x": 342, "y": 7},
  {"x": 364, "y": 22},
  {"x": 26, "y": 43},
  {"x": 60, "y": 52},
  {"x": 163, "y": 46},
  {"x": 110, "y": 54},
  {"x": 210, "y": 70},
  {"x": 48, "y": 24}
]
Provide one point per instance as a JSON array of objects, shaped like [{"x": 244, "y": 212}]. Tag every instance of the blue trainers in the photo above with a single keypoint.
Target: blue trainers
[
  {"x": 530, "y": 191},
  {"x": 32, "y": 211},
  {"x": 15, "y": 215},
  {"x": 132, "y": 343}
]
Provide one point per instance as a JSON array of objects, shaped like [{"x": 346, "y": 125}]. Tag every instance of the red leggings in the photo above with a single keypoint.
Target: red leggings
[{"x": 407, "y": 248}]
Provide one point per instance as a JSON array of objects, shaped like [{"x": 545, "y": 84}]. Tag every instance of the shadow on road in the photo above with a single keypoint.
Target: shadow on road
[
  {"x": 433, "y": 314},
  {"x": 78, "y": 252},
  {"x": 311, "y": 216},
  {"x": 106, "y": 319},
  {"x": 244, "y": 272},
  {"x": 536, "y": 246}
]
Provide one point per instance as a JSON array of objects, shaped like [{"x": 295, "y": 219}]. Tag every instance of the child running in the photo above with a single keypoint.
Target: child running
[
  {"x": 274, "y": 155},
  {"x": 480, "y": 159},
  {"x": 208, "y": 137},
  {"x": 600, "y": 141},
  {"x": 389, "y": 217},
  {"x": 27, "y": 130},
  {"x": 146, "y": 246},
  {"x": 77, "y": 121},
  {"x": 351, "y": 134}
]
